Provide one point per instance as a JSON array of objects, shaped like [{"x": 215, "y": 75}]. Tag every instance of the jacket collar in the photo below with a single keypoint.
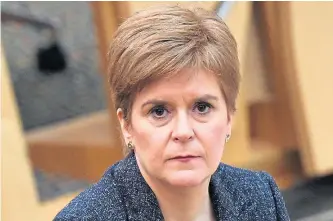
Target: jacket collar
[
  {"x": 141, "y": 203},
  {"x": 222, "y": 196}
]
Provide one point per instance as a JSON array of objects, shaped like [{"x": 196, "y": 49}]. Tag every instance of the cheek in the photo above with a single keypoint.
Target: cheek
[
  {"x": 212, "y": 136},
  {"x": 150, "y": 142},
  {"x": 150, "y": 145}
]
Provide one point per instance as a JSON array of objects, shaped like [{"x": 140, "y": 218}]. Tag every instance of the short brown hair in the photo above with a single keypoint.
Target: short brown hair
[{"x": 159, "y": 42}]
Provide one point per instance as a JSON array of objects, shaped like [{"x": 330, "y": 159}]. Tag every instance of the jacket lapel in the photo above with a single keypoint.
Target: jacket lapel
[
  {"x": 221, "y": 196},
  {"x": 140, "y": 201}
]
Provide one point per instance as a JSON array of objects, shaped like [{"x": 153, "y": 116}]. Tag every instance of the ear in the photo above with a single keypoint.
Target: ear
[
  {"x": 229, "y": 123},
  {"x": 124, "y": 125}
]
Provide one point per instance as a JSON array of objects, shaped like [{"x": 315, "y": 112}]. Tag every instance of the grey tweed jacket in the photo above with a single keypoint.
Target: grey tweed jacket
[{"x": 122, "y": 194}]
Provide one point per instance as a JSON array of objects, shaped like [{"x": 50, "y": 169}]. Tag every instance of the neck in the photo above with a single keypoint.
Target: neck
[{"x": 183, "y": 203}]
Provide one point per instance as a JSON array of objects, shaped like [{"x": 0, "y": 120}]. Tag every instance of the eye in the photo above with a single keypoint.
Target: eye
[
  {"x": 159, "y": 112},
  {"x": 202, "y": 107}
]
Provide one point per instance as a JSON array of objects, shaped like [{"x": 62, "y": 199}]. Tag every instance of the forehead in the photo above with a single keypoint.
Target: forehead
[{"x": 186, "y": 82}]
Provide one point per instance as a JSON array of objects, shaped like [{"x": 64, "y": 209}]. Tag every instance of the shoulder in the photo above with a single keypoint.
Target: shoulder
[
  {"x": 101, "y": 201},
  {"x": 244, "y": 178},
  {"x": 256, "y": 192},
  {"x": 243, "y": 183}
]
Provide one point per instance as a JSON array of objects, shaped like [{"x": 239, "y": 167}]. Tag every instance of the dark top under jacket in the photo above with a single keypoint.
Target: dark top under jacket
[{"x": 123, "y": 194}]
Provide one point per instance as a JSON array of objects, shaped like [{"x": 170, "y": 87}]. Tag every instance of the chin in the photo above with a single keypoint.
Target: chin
[{"x": 186, "y": 178}]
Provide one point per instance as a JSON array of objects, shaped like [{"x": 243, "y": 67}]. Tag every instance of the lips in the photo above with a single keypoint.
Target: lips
[
  {"x": 181, "y": 157},
  {"x": 184, "y": 158}
]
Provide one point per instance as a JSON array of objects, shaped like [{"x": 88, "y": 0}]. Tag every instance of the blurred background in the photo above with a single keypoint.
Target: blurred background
[{"x": 58, "y": 126}]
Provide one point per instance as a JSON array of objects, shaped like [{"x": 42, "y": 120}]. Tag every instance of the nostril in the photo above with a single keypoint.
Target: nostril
[{"x": 183, "y": 139}]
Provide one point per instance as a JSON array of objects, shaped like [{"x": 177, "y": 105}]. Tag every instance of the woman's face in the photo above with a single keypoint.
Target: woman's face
[{"x": 178, "y": 128}]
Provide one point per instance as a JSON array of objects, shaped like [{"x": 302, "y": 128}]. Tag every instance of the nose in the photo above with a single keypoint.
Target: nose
[{"x": 182, "y": 131}]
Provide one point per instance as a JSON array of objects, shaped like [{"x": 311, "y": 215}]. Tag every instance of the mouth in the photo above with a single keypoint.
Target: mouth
[{"x": 184, "y": 158}]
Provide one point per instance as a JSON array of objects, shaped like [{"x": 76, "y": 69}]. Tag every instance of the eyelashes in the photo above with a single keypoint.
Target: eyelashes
[
  {"x": 161, "y": 112},
  {"x": 202, "y": 107}
]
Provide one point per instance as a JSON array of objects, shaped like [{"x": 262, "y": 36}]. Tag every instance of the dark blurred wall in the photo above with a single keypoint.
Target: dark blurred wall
[{"x": 45, "y": 99}]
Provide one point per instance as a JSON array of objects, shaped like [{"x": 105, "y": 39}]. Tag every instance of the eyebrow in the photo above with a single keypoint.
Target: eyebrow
[
  {"x": 207, "y": 97},
  {"x": 153, "y": 102},
  {"x": 162, "y": 102}
]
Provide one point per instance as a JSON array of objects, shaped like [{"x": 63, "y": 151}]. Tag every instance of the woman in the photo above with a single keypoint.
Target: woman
[{"x": 174, "y": 77}]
